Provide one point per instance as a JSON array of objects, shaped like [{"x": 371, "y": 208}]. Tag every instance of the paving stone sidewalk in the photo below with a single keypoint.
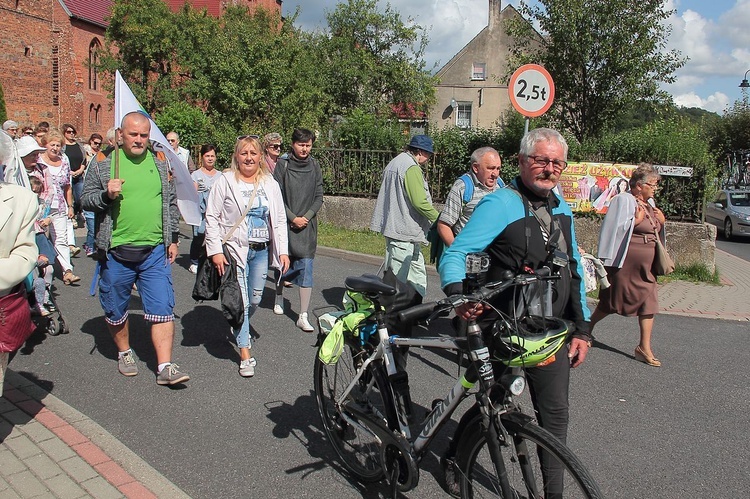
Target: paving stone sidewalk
[{"x": 49, "y": 449}]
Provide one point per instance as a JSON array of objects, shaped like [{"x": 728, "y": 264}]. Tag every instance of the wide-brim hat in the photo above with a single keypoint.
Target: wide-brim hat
[
  {"x": 27, "y": 145},
  {"x": 422, "y": 142}
]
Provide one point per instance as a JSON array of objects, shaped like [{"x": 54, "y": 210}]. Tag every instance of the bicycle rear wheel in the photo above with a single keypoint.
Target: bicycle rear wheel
[
  {"x": 529, "y": 446},
  {"x": 357, "y": 448}
]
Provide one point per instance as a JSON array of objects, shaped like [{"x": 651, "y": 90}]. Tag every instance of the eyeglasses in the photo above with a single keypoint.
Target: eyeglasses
[
  {"x": 171, "y": 140},
  {"x": 97, "y": 144},
  {"x": 70, "y": 131},
  {"x": 557, "y": 164},
  {"x": 28, "y": 133},
  {"x": 653, "y": 186},
  {"x": 243, "y": 137},
  {"x": 274, "y": 146}
]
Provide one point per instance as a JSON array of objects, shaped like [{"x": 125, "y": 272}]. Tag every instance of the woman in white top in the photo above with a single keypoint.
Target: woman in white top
[
  {"x": 260, "y": 238},
  {"x": 60, "y": 198}
]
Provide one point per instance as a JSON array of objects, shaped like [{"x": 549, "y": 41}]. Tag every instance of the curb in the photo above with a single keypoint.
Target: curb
[{"x": 120, "y": 466}]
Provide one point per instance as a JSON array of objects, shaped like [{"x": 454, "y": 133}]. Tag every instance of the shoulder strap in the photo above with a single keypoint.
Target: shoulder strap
[
  {"x": 544, "y": 218},
  {"x": 469, "y": 187},
  {"x": 244, "y": 213}
]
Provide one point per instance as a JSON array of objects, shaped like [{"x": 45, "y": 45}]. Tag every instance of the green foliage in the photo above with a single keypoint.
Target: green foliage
[
  {"x": 190, "y": 122},
  {"x": 362, "y": 130},
  {"x": 603, "y": 56},
  {"x": 732, "y": 131},
  {"x": 375, "y": 59},
  {"x": 3, "y": 111}
]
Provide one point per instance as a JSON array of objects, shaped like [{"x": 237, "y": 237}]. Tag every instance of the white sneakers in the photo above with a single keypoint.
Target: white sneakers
[
  {"x": 247, "y": 367},
  {"x": 304, "y": 324},
  {"x": 193, "y": 268},
  {"x": 278, "y": 307}
]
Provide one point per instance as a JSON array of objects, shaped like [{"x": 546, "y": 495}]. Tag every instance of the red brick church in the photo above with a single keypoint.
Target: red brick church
[{"x": 48, "y": 59}]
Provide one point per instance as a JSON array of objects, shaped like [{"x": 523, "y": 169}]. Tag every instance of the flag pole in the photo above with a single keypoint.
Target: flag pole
[{"x": 117, "y": 154}]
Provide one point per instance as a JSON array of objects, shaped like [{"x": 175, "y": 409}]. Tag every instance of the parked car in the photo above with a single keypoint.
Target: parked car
[{"x": 730, "y": 212}]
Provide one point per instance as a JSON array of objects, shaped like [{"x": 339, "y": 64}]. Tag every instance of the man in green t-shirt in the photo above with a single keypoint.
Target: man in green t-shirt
[{"x": 137, "y": 226}]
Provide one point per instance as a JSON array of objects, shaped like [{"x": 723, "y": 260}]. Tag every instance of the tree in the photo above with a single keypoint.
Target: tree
[
  {"x": 732, "y": 132},
  {"x": 602, "y": 54},
  {"x": 375, "y": 59}
]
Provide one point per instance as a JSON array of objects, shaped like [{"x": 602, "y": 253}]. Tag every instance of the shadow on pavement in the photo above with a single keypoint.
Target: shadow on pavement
[{"x": 206, "y": 325}]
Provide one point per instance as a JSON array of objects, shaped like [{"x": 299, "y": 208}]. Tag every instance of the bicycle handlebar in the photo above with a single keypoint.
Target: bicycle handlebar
[{"x": 484, "y": 294}]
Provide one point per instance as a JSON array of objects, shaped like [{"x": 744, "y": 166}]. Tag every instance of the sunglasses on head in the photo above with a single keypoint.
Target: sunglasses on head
[{"x": 242, "y": 137}]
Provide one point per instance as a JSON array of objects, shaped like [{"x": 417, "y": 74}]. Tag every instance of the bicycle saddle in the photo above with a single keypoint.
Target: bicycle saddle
[{"x": 369, "y": 284}]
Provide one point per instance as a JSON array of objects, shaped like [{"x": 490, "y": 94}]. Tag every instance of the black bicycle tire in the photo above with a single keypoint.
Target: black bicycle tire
[
  {"x": 473, "y": 441},
  {"x": 333, "y": 429}
]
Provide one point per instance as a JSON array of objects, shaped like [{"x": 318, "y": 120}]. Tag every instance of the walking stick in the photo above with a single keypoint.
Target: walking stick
[{"x": 117, "y": 158}]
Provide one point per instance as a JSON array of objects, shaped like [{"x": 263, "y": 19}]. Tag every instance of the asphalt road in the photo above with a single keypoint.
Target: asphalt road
[
  {"x": 672, "y": 432},
  {"x": 739, "y": 246}
]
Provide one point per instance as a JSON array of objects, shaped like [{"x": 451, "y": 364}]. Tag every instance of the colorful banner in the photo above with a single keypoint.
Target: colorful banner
[{"x": 591, "y": 186}]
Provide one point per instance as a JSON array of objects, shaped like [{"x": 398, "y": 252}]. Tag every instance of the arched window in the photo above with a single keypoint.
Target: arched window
[
  {"x": 92, "y": 113},
  {"x": 94, "y": 47}
]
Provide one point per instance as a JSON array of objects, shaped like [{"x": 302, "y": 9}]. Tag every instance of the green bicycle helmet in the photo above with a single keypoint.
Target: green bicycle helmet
[{"x": 527, "y": 342}]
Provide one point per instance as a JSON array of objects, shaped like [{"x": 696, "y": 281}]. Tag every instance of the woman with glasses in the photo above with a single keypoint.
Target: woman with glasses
[
  {"x": 77, "y": 156},
  {"x": 247, "y": 194},
  {"x": 59, "y": 195},
  {"x": 203, "y": 178},
  {"x": 272, "y": 148},
  {"x": 627, "y": 247}
]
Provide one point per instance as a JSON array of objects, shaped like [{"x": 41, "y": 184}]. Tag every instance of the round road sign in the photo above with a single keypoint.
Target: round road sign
[{"x": 531, "y": 90}]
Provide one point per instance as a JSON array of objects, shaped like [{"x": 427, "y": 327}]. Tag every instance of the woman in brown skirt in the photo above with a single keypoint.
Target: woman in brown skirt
[{"x": 627, "y": 246}]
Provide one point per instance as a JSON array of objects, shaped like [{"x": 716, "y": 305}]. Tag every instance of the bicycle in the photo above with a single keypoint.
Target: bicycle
[{"x": 364, "y": 408}]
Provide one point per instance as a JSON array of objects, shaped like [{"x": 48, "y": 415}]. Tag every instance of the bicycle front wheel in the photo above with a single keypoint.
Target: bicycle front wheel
[
  {"x": 537, "y": 464},
  {"x": 357, "y": 448}
]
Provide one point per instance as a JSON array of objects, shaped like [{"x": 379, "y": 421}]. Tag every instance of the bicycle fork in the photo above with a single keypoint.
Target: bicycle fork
[{"x": 480, "y": 357}]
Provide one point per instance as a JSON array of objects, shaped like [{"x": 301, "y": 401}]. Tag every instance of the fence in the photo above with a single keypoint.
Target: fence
[{"x": 359, "y": 173}]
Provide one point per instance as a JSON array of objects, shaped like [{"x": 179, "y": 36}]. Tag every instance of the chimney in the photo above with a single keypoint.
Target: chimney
[{"x": 494, "y": 18}]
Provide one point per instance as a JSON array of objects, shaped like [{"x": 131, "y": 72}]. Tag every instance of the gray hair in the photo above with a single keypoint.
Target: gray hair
[
  {"x": 269, "y": 137},
  {"x": 542, "y": 135},
  {"x": 644, "y": 172},
  {"x": 478, "y": 154},
  {"x": 111, "y": 134}
]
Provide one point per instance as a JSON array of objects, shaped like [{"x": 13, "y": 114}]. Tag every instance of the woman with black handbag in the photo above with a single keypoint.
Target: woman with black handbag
[{"x": 245, "y": 211}]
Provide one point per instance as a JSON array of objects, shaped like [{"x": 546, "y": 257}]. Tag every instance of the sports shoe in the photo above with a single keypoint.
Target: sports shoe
[
  {"x": 451, "y": 480},
  {"x": 193, "y": 268},
  {"x": 247, "y": 367},
  {"x": 74, "y": 250},
  {"x": 304, "y": 324},
  {"x": 126, "y": 364},
  {"x": 171, "y": 375},
  {"x": 89, "y": 251},
  {"x": 278, "y": 307}
]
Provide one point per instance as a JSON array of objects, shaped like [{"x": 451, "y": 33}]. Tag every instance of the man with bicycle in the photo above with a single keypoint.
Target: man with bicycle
[{"x": 520, "y": 227}]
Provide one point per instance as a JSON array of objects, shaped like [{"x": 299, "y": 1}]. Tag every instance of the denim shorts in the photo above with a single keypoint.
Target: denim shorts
[
  {"x": 154, "y": 279},
  {"x": 300, "y": 272}
]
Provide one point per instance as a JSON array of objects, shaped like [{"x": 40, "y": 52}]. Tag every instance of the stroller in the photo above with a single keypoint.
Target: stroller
[{"x": 45, "y": 314}]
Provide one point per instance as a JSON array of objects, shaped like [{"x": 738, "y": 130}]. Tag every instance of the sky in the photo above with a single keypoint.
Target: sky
[{"x": 713, "y": 34}]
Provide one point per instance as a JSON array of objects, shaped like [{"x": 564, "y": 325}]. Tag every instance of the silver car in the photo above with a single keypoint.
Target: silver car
[{"x": 730, "y": 212}]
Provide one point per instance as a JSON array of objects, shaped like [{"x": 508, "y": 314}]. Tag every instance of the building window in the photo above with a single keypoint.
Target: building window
[
  {"x": 479, "y": 71},
  {"x": 463, "y": 115},
  {"x": 94, "y": 48}
]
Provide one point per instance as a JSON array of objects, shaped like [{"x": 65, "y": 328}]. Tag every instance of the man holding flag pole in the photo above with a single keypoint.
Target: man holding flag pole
[{"x": 137, "y": 228}]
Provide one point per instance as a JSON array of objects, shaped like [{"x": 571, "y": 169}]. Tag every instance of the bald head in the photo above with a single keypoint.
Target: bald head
[{"x": 135, "y": 130}]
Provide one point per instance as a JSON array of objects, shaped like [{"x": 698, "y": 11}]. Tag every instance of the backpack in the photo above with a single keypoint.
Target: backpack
[{"x": 436, "y": 243}]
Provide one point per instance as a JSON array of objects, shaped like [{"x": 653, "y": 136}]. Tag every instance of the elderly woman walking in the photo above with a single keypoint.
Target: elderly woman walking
[{"x": 627, "y": 246}]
